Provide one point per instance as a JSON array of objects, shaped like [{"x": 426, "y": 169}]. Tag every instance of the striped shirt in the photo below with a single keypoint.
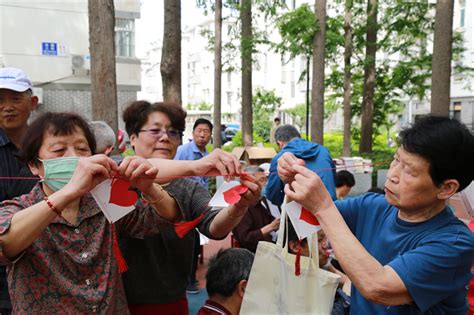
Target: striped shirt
[
  {"x": 11, "y": 166},
  {"x": 213, "y": 308}
]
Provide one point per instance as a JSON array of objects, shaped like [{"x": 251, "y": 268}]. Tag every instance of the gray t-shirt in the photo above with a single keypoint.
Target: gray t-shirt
[{"x": 159, "y": 266}]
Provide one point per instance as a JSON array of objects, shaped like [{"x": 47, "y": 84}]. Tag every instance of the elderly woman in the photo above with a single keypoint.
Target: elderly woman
[
  {"x": 159, "y": 265},
  {"x": 58, "y": 241}
]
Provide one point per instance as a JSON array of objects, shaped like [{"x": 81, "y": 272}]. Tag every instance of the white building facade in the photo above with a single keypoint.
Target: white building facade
[{"x": 49, "y": 40}]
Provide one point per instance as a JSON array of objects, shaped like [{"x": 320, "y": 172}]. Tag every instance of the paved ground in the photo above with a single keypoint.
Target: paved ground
[{"x": 195, "y": 301}]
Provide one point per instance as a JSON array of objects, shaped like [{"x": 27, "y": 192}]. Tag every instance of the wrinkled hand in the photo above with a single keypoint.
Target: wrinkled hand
[
  {"x": 252, "y": 195},
  {"x": 275, "y": 224},
  {"x": 308, "y": 190},
  {"x": 139, "y": 172},
  {"x": 218, "y": 163},
  {"x": 90, "y": 171},
  {"x": 285, "y": 166}
]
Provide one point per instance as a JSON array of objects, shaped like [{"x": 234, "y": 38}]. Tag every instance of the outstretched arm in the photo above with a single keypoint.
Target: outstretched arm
[
  {"x": 216, "y": 163},
  {"x": 26, "y": 225},
  {"x": 377, "y": 283}
]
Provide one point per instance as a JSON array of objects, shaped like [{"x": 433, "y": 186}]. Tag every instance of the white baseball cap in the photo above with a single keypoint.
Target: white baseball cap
[{"x": 14, "y": 79}]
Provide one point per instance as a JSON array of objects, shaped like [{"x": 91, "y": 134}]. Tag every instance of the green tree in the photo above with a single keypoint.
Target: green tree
[
  {"x": 319, "y": 66},
  {"x": 265, "y": 103},
  {"x": 102, "y": 50},
  {"x": 298, "y": 115},
  {"x": 442, "y": 55},
  {"x": 170, "y": 67}
]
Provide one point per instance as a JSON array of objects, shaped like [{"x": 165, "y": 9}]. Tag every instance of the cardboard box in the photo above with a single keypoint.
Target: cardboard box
[{"x": 254, "y": 155}]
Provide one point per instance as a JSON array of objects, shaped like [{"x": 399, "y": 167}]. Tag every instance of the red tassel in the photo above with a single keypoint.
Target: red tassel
[
  {"x": 122, "y": 264},
  {"x": 297, "y": 261},
  {"x": 183, "y": 228}
]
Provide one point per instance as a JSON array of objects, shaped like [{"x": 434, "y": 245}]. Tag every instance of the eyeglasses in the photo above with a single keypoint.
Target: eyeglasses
[{"x": 158, "y": 133}]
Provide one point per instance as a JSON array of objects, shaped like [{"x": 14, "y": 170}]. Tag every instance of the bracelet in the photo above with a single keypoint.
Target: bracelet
[
  {"x": 233, "y": 217},
  {"x": 162, "y": 195},
  {"x": 51, "y": 206}
]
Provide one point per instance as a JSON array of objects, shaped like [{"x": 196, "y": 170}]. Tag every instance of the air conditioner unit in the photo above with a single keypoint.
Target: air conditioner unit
[{"x": 80, "y": 62}]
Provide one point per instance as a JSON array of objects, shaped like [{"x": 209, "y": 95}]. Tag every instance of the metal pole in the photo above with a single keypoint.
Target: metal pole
[{"x": 307, "y": 98}]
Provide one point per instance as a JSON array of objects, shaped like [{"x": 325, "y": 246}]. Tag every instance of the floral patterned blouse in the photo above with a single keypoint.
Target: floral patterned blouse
[{"x": 71, "y": 268}]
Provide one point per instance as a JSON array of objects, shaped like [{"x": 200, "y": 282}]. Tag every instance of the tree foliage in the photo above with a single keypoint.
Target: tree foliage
[{"x": 265, "y": 103}]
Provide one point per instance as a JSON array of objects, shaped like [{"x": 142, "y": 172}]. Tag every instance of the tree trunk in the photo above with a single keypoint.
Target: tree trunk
[
  {"x": 246, "y": 51},
  {"x": 102, "y": 51},
  {"x": 171, "y": 53},
  {"x": 442, "y": 54},
  {"x": 365, "y": 145},
  {"x": 217, "y": 73},
  {"x": 317, "y": 91},
  {"x": 346, "y": 148}
]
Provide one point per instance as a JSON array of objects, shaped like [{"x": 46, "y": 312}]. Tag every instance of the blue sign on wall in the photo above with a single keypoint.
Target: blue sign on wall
[{"x": 49, "y": 49}]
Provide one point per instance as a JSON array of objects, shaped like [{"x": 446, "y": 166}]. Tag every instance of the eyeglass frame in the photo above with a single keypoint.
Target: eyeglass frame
[{"x": 158, "y": 134}]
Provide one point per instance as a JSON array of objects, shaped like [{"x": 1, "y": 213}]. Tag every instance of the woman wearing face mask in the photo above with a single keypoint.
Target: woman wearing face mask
[
  {"x": 258, "y": 223},
  {"x": 159, "y": 265},
  {"x": 59, "y": 242}
]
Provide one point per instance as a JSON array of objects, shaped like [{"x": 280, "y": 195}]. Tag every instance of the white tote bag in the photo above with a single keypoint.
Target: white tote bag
[{"x": 273, "y": 287}]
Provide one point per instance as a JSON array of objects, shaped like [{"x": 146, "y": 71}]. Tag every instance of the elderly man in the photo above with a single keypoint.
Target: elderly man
[
  {"x": 316, "y": 157},
  {"x": 104, "y": 135},
  {"x": 226, "y": 280},
  {"x": 16, "y": 103},
  {"x": 413, "y": 255},
  {"x": 196, "y": 149}
]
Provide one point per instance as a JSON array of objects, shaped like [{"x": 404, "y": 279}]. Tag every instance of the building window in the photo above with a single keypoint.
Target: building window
[
  {"x": 456, "y": 112},
  {"x": 229, "y": 99},
  {"x": 283, "y": 70},
  {"x": 229, "y": 78},
  {"x": 293, "y": 84},
  {"x": 125, "y": 37},
  {"x": 462, "y": 12}
]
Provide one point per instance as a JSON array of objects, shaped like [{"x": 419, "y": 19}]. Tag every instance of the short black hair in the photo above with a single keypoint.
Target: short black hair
[
  {"x": 344, "y": 178},
  {"x": 201, "y": 121},
  {"x": 226, "y": 269},
  {"x": 292, "y": 236},
  {"x": 286, "y": 133},
  {"x": 446, "y": 144},
  {"x": 136, "y": 115},
  {"x": 58, "y": 124}
]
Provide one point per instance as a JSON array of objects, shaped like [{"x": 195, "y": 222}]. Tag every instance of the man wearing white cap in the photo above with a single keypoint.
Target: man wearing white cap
[{"x": 16, "y": 103}]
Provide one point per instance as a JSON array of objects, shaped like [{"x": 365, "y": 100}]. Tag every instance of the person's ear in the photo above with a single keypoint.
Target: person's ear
[
  {"x": 108, "y": 150},
  {"x": 293, "y": 246},
  {"x": 241, "y": 286},
  {"x": 35, "y": 168},
  {"x": 133, "y": 138},
  {"x": 280, "y": 144},
  {"x": 34, "y": 102},
  {"x": 448, "y": 188}
]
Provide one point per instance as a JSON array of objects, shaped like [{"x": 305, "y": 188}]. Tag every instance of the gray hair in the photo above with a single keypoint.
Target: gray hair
[
  {"x": 286, "y": 133},
  {"x": 104, "y": 135},
  {"x": 226, "y": 269},
  {"x": 253, "y": 169}
]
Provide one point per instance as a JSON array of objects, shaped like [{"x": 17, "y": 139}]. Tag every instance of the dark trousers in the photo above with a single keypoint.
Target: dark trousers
[
  {"x": 5, "y": 304},
  {"x": 194, "y": 263}
]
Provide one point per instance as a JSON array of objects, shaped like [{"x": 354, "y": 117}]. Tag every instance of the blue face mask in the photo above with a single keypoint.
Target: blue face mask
[
  {"x": 58, "y": 172},
  {"x": 263, "y": 191}
]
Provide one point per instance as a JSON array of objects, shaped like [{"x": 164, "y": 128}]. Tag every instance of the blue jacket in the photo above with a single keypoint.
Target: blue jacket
[{"x": 316, "y": 157}]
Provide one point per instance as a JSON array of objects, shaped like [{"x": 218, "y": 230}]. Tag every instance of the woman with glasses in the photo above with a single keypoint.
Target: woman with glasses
[{"x": 159, "y": 266}]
